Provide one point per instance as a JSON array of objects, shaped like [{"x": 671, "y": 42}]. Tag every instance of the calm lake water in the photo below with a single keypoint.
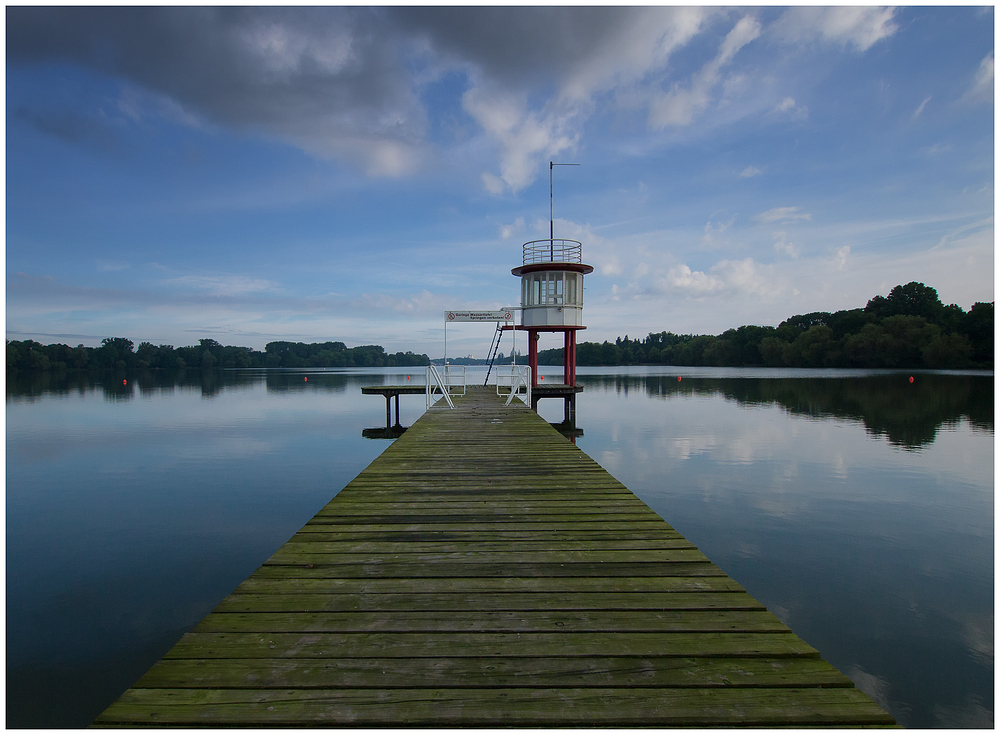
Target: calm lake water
[{"x": 856, "y": 505}]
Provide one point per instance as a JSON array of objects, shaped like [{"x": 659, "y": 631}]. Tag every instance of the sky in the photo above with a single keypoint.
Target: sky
[{"x": 252, "y": 174}]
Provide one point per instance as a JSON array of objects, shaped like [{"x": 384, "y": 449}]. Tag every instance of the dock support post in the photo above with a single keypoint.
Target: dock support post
[
  {"x": 389, "y": 395},
  {"x": 569, "y": 410}
]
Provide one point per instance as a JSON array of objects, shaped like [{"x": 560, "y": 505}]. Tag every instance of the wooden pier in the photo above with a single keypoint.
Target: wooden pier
[{"x": 485, "y": 572}]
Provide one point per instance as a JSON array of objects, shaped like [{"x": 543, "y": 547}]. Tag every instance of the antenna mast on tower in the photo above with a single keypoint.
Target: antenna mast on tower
[{"x": 551, "y": 220}]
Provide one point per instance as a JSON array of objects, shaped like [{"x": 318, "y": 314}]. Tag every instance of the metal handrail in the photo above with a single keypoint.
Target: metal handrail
[
  {"x": 553, "y": 250},
  {"x": 434, "y": 381},
  {"x": 519, "y": 377},
  {"x": 454, "y": 378}
]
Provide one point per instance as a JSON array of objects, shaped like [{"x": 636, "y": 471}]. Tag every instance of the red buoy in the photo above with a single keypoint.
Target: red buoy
[
  {"x": 124, "y": 382},
  {"x": 911, "y": 378},
  {"x": 678, "y": 378},
  {"x": 305, "y": 379}
]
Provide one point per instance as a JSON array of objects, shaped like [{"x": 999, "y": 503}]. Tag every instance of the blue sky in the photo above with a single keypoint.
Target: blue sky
[{"x": 313, "y": 174}]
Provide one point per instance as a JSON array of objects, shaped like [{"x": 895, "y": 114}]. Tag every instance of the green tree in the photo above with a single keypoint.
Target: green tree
[
  {"x": 978, "y": 327},
  {"x": 772, "y": 351},
  {"x": 116, "y": 352},
  {"x": 813, "y": 348},
  {"x": 913, "y": 299},
  {"x": 610, "y": 354},
  {"x": 868, "y": 348},
  {"x": 948, "y": 352}
]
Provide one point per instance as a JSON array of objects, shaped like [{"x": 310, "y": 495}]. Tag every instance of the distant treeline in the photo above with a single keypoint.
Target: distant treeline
[
  {"x": 119, "y": 353},
  {"x": 909, "y": 328}
]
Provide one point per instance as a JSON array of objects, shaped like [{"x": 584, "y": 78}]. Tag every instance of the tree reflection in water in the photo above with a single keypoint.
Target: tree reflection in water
[{"x": 908, "y": 415}]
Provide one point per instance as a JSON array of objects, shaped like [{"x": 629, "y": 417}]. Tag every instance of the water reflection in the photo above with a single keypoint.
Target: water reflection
[
  {"x": 147, "y": 383},
  {"x": 384, "y": 432},
  {"x": 908, "y": 415}
]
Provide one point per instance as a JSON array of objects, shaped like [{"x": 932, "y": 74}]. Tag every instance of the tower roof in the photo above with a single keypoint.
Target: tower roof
[{"x": 552, "y": 266}]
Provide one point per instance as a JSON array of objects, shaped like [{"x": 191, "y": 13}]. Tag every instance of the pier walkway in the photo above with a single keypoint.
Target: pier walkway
[{"x": 483, "y": 571}]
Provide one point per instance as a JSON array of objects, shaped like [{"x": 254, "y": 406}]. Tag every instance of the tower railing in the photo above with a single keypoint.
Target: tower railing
[{"x": 553, "y": 250}]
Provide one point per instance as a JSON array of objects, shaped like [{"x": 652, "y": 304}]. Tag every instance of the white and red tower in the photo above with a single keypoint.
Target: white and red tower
[{"x": 552, "y": 299}]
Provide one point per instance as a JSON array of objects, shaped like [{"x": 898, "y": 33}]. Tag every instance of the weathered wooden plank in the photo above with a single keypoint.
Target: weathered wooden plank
[
  {"x": 496, "y": 621},
  {"x": 436, "y": 585},
  {"x": 498, "y": 517},
  {"x": 198, "y": 645},
  {"x": 557, "y": 528},
  {"x": 457, "y": 707},
  {"x": 474, "y": 672},
  {"x": 473, "y": 534},
  {"x": 305, "y": 545},
  {"x": 298, "y": 555},
  {"x": 489, "y": 506},
  {"x": 403, "y": 570},
  {"x": 448, "y": 602}
]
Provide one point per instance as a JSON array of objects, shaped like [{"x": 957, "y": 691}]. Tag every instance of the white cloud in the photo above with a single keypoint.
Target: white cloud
[
  {"x": 781, "y": 214},
  {"x": 920, "y": 107},
  {"x": 643, "y": 43},
  {"x": 422, "y": 304},
  {"x": 224, "y": 285},
  {"x": 513, "y": 228},
  {"x": 732, "y": 276},
  {"x": 525, "y": 137},
  {"x": 715, "y": 228},
  {"x": 682, "y": 105},
  {"x": 283, "y": 51},
  {"x": 138, "y": 104},
  {"x": 492, "y": 183},
  {"x": 110, "y": 266},
  {"x": 982, "y": 83},
  {"x": 785, "y": 105},
  {"x": 627, "y": 48},
  {"x": 842, "y": 254},
  {"x": 936, "y": 149},
  {"x": 789, "y": 109},
  {"x": 783, "y": 245},
  {"x": 681, "y": 277},
  {"x": 749, "y": 172},
  {"x": 745, "y": 276},
  {"x": 859, "y": 27}
]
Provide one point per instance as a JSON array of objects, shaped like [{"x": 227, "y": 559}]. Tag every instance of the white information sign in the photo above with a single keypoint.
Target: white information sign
[{"x": 501, "y": 315}]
